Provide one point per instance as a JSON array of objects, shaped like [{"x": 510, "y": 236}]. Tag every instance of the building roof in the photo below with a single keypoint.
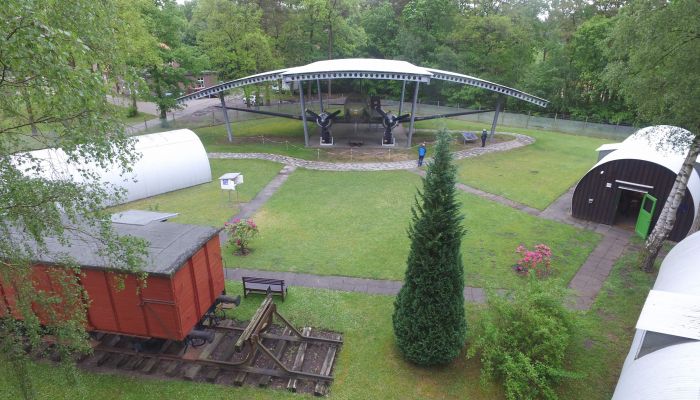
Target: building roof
[
  {"x": 664, "y": 365},
  {"x": 170, "y": 245},
  {"x": 168, "y": 161},
  {"x": 363, "y": 68}
]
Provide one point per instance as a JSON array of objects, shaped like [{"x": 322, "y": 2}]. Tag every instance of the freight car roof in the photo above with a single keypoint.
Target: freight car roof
[{"x": 170, "y": 246}]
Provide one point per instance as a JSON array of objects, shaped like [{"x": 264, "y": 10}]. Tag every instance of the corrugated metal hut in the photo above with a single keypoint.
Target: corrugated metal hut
[
  {"x": 646, "y": 162},
  {"x": 184, "y": 277},
  {"x": 664, "y": 359},
  {"x": 168, "y": 161}
]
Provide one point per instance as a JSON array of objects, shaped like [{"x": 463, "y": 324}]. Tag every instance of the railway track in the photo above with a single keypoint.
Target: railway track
[{"x": 257, "y": 353}]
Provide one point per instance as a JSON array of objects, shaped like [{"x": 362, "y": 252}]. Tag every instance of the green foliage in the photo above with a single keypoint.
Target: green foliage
[
  {"x": 651, "y": 47},
  {"x": 241, "y": 232},
  {"x": 428, "y": 317},
  {"x": 54, "y": 57},
  {"x": 523, "y": 340}
]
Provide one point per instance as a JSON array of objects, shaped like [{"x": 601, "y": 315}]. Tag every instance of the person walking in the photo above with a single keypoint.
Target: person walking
[
  {"x": 421, "y": 153},
  {"x": 484, "y": 135}
]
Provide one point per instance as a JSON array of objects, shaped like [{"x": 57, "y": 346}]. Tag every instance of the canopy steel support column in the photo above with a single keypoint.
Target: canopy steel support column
[
  {"x": 228, "y": 123},
  {"x": 499, "y": 105},
  {"x": 320, "y": 95},
  {"x": 413, "y": 114},
  {"x": 303, "y": 114},
  {"x": 403, "y": 90}
]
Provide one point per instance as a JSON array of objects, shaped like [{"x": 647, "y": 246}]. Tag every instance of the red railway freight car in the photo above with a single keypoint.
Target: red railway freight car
[{"x": 184, "y": 278}]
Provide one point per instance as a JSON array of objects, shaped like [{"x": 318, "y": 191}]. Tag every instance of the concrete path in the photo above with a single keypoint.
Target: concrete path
[
  {"x": 520, "y": 141},
  {"x": 248, "y": 209},
  {"x": 346, "y": 284},
  {"x": 587, "y": 282}
]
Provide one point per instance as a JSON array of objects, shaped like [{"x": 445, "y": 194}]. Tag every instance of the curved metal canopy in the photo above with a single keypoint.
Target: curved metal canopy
[{"x": 363, "y": 68}]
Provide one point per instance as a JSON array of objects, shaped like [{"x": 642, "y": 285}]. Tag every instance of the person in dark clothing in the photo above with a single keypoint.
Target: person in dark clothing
[
  {"x": 421, "y": 153},
  {"x": 484, "y": 135}
]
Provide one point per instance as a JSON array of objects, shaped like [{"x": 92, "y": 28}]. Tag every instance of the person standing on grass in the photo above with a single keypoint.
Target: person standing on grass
[
  {"x": 421, "y": 153},
  {"x": 484, "y": 135}
]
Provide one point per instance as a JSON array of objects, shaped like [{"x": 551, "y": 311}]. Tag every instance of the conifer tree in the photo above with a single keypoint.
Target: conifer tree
[{"x": 429, "y": 321}]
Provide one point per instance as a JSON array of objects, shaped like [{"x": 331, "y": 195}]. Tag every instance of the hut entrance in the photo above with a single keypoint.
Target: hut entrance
[{"x": 628, "y": 206}]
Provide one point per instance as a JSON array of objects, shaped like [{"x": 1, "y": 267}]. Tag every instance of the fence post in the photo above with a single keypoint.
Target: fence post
[
  {"x": 527, "y": 122},
  {"x": 318, "y": 154},
  {"x": 585, "y": 124},
  {"x": 555, "y": 121},
  {"x": 351, "y": 154}
]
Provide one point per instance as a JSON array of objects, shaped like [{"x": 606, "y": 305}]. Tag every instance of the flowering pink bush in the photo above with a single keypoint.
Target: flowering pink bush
[
  {"x": 240, "y": 232},
  {"x": 538, "y": 260}
]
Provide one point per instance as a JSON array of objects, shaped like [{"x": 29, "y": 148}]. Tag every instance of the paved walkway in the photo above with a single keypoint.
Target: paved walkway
[
  {"x": 520, "y": 141},
  {"x": 347, "y": 284},
  {"x": 587, "y": 282}
]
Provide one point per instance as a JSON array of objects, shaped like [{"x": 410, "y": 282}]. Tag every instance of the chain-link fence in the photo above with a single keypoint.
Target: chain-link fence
[{"x": 212, "y": 116}]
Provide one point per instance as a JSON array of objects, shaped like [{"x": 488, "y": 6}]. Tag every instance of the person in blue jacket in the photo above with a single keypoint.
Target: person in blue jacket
[{"x": 421, "y": 153}]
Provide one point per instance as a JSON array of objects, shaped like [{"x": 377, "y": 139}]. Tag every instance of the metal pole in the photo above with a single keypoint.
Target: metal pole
[
  {"x": 499, "y": 104},
  {"x": 413, "y": 113},
  {"x": 303, "y": 114},
  {"x": 228, "y": 123},
  {"x": 403, "y": 90},
  {"x": 320, "y": 95}
]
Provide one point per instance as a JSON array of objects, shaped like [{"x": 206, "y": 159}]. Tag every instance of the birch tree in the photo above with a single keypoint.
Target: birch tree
[{"x": 654, "y": 47}]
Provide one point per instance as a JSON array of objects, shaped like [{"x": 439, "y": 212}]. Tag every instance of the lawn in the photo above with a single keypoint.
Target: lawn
[
  {"x": 369, "y": 366},
  {"x": 207, "y": 204},
  {"x": 286, "y": 137},
  {"x": 534, "y": 175},
  {"x": 354, "y": 224}
]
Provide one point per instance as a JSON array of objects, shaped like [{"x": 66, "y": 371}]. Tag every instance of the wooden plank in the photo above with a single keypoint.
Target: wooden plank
[
  {"x": 149, "y": 365},
  {"x": 172, "y": 368},
  {"x": 194, "y": 369},
  {"x": 298, "y": 360},
  {"x": 322, "y": 387},
  {"x": 281, "y": 345}
]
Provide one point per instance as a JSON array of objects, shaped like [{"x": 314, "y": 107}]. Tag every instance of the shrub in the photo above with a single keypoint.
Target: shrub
[
  {"x": 523, "y": 339},
  {"x": 537, "y": 261},
  {"x": 428, "y": 317},
  {"x": 240, "y": 232}
]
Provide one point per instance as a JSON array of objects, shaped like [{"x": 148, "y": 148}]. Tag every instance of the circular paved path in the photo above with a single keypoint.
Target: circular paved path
[{"x": 520, "y": 141}]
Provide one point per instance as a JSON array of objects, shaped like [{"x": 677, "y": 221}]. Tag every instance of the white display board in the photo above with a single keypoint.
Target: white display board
[{"x": 230, "y": 180}]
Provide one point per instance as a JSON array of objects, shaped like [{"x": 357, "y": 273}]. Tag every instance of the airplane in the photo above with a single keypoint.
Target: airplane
[{"x": 357, "y": 110}]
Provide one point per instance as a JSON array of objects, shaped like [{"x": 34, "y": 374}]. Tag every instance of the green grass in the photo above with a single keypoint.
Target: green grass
[
  {"x": 207, "y": 204},
  {"x": 608, "y": 329},
  {"x": 369, "y": 366},
  {"x": 354, "y": 224},
  {"x": 140, "y": 117},
  {"x": 534, "y": 175}
]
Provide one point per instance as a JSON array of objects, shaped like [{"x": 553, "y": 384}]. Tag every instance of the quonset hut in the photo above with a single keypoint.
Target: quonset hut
[
  {"x": 168, "y": 161},
  {"x": 647, "y": 162},
  {"x": 664, "y": 358}
]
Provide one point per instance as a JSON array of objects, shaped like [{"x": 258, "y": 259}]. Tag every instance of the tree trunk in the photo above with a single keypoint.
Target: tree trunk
[
  {"x": 667, "y": 218},
  {"x": 134, "y": 105}
]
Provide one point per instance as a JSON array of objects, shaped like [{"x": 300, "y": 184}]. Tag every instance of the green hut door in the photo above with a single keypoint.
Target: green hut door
[{"x": 646, "y": 212}]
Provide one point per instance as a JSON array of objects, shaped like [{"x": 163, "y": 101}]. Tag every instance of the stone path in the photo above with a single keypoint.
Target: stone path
[
  {"x": 587, "y": 282},
  {"x": 344, "y": 283},
  {"x": 520, "y": 141}
]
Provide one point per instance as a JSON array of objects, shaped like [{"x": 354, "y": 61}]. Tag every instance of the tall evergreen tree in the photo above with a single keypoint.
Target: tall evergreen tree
[{"x": 428, "y": 318}]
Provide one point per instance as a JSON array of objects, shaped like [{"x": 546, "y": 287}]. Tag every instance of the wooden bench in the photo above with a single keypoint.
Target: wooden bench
[{"x": 264, "y": 286}]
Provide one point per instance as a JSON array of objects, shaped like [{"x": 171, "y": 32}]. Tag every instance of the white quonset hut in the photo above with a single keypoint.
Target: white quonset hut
[
  {"x": 664, "y": 360},
  {"x": 647, "y": 162},
  {"x": 168, "y": 161}
]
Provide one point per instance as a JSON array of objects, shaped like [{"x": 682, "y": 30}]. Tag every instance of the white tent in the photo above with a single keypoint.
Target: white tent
[{"x": 168, "y": 161}]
